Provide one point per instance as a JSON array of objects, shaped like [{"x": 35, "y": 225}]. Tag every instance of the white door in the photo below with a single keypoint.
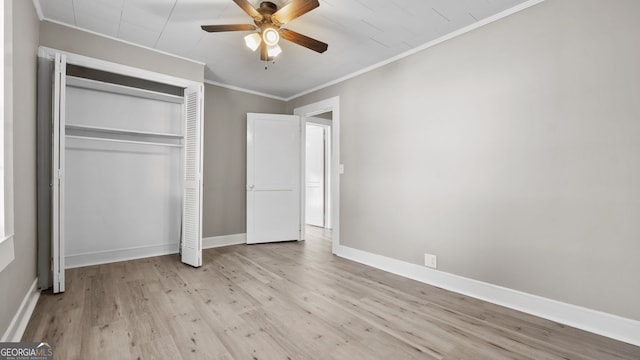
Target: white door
[
  {"x": 315, "y": 175},
  {"x": 57, "y": 173},
  {"x": 191, "y": 241},
  {"x": 273, "y": 178}
]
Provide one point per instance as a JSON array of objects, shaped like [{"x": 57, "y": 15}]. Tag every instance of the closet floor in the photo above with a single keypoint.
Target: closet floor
[{"x": 287, "y": 301}]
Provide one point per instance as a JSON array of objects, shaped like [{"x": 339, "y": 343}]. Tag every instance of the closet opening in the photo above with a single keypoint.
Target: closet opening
[{"x": 119, "y": 165}]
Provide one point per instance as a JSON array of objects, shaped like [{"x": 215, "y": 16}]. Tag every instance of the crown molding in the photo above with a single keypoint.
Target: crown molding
[
  {"x": 471, "y": 27},
  {"x": 237, "y": 88},
  {"x": 123, "y": 41},
  {"x": 464, "y": 30},
  {"x": 36, "y": 4}
]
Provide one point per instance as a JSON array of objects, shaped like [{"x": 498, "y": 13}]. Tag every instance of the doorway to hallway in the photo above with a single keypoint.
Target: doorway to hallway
[
  {"x": 318, "y": 171},
  {"x": 328, "y": 111}
]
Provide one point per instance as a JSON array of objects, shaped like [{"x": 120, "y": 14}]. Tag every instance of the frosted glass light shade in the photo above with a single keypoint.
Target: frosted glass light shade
[
  {"x": 253, "y": 41},
  {"x": 273, "y": 51}
]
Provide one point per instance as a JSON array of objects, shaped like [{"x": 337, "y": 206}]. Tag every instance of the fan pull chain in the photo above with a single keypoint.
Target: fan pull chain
[{"x": 266, "y": 64}]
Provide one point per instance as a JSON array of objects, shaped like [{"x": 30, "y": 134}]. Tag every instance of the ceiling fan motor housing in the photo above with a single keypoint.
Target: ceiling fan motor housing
[{"x": 266, "y": 9}]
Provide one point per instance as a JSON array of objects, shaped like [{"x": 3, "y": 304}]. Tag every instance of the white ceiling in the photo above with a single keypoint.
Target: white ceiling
[{"x": 360, "y": 33}]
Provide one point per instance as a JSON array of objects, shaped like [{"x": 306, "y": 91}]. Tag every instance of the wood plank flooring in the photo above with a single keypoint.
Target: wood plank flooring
[{"x": 288, "y": 301}]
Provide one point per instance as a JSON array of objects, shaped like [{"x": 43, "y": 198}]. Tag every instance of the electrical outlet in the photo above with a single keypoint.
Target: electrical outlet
[{"x": 430, "y": 261}]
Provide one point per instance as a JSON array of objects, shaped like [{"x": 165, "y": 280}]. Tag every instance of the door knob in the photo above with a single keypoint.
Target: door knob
[{"x": 250, "y": 186}]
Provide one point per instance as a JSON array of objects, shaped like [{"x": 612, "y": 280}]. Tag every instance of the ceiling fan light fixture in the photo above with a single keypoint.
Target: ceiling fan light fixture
[
  {"x": 267, "y": 31},
  {"x": 270, "y": 36},
  {"x": 253, "y": 41},
  {"x": 273, "y": 51}
]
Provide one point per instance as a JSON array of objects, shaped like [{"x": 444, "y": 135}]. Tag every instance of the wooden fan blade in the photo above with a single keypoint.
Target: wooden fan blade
[
  {"x": 248, "y": 8},
  {"x": 293, "y": 10},
  {"x": 303, "y": 40},
  {"x": 235, "y": 27}
]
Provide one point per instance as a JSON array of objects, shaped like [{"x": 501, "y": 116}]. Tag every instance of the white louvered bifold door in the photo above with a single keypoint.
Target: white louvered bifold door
[
  {"x": 191, "y": 241},
  {"x": 57, "y": 173}
]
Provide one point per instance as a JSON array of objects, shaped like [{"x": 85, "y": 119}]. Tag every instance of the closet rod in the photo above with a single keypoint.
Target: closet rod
[
  {"x": 123, "y": 141},
  {"x": 121, "y": 131}
]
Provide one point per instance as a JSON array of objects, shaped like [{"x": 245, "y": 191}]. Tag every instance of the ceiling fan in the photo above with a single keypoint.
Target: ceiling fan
[{"x": 268, "y": 20}]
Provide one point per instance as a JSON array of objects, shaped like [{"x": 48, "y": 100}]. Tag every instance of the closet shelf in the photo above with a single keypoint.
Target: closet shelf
[
  {"x": 83, "y": 83},
  {"x": 123, "y": 141},
  {"x": 122, "y": 131}
]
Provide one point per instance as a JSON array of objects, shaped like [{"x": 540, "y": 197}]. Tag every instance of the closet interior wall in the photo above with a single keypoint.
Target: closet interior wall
[{"x": 123, "y": 164}]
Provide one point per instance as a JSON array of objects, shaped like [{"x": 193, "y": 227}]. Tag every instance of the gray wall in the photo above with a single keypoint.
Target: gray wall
[
  {"x": 64, "y": 38},
  {"x": 16, "y": 279},
  {"x": 510, "y": 152},
  {"x": 225, "y": 142}
]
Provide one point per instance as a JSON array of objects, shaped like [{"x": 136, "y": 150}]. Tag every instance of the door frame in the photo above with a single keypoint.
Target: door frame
[{"x": 310, "y": 110}]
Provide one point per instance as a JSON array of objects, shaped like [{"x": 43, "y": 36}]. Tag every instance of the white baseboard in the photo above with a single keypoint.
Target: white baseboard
[
  {"x": 104, "y": 257},
  {"x": 224, "y": 240},
  {"x": 597, "y": 322},
  {"x": 109, "y": 256},
  {"x": 20, "y": 321}
]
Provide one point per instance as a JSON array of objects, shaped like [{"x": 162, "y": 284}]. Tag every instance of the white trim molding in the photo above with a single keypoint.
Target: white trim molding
[
  {"x": 19, "y": 322},
  {"x": 224, "y": 240},
  {"x": 597, "y": 322},
  {"x": 36, "y": 5},
  {"x": 110, "y": 256},
  {"x": 237, "y": 88}
]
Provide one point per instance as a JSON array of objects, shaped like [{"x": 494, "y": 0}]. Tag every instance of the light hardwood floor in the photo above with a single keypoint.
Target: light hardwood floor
[{"x": 288, "y": 301}]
